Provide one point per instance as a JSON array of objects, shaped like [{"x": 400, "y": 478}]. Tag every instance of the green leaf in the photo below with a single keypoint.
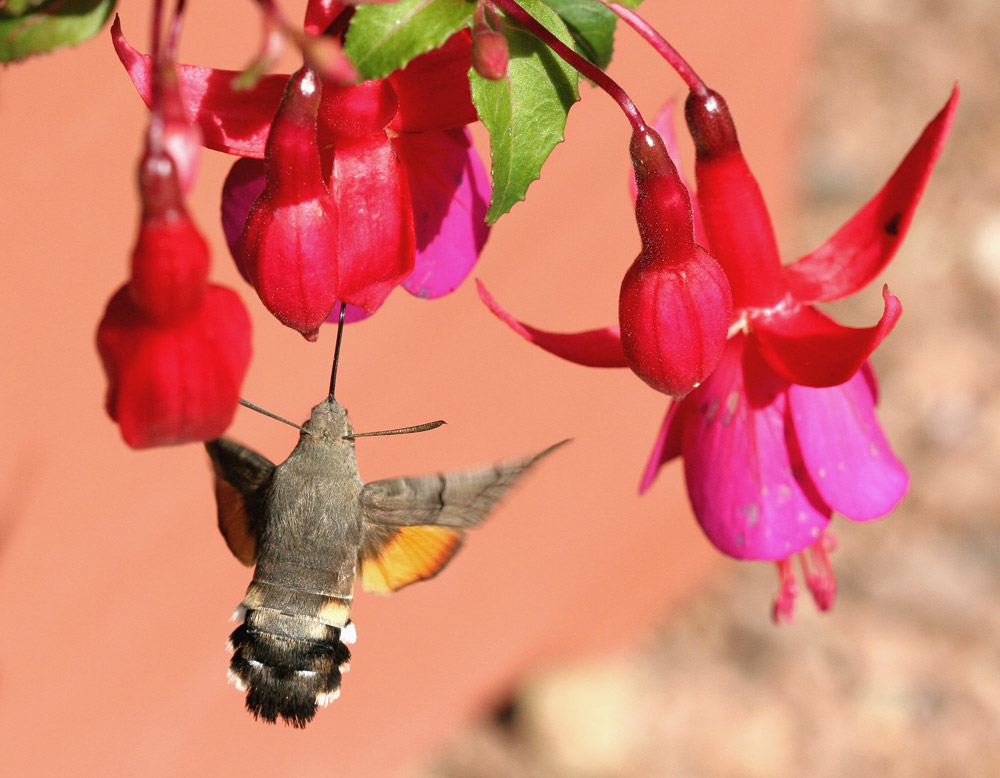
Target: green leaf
[
  {"x": 525, "y": 112},
  {"x": 52, "y": 25},
  {"x": 385, "y": 36},
  {"x": 592, "y": 26},
  {"x": 19, "y": 7}
]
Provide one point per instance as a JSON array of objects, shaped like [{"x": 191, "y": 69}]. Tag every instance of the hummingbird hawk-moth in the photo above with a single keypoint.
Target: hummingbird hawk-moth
[{"x": 311, "y": 526}]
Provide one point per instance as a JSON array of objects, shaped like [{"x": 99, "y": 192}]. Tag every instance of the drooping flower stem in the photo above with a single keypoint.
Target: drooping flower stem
[
  {"x": 658, "y": 42},
  {"x": 577, "y": 62},
  {"x": 175, "y": 31}
]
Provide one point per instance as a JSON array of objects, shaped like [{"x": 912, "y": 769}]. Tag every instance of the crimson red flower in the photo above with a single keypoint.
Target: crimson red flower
[
  {"x": 174, "y": 347},
  {"x": 409, "y": 191},
  {"x": 783, "y": 432}
]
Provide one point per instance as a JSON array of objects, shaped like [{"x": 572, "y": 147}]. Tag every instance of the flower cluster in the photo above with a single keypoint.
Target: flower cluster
[
  {"x": 345, "y": 190},
  {"x": 775, "y": 423}
]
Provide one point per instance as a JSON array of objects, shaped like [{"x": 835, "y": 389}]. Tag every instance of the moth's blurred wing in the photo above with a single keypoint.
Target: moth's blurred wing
[
  {"x": 414, "y": 525},
  {"x": 458, "y": 499},
  {"x": 241, "y": 475}
]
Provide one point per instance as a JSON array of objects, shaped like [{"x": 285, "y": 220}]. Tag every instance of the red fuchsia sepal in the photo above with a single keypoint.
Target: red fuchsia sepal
[
  {"x": 376, "y": 246},
  {"x": 733, "y": 211},
  {"x": 177, "y": 382},
  {"x": 289, "y": 245},
  {"x": 230, "y": 120},
  {"x": 358, "y": 111},
  {"x": 593, "y": 348},
  {"x": 862, "y": 248},
  {"x": 432, "y": 90},
  {"x": 807, "y": 347}
]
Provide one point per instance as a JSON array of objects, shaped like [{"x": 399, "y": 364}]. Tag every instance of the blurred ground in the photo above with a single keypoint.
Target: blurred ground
[{"x": 903, "y": 677}]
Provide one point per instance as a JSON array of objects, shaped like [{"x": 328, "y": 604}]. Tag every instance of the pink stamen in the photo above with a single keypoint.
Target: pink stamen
[
  {"x": 818, "y": 572},
  {"x": 783, "y": 610}
]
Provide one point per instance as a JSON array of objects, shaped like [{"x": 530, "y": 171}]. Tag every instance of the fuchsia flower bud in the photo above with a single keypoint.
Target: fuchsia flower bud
[
  {"x": 289, "y": 243},
  {"x": 675, "y": 306},
  {"x": 489, "y": 53},
  {"x": 174, "y": 348}
]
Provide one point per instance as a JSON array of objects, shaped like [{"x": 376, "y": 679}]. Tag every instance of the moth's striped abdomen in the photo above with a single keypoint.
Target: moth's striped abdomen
[{"x": 287, "y": 655}]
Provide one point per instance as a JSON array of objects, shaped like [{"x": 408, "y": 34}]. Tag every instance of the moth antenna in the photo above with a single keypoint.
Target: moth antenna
[
  {"x": 336, "y": 350},
  {"x": 252, "y": 407},
  {"x": 401, "y": 431}
]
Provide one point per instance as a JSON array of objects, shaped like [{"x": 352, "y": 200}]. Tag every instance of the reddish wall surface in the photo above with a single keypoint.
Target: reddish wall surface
[{"x": 116, "y": 588}]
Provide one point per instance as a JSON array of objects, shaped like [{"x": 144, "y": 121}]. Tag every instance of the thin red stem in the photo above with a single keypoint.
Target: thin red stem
[
  {"x": 665, "y": 50},
  {"x": 579, "y": 63},
  {"x": 175, "y": 32}
]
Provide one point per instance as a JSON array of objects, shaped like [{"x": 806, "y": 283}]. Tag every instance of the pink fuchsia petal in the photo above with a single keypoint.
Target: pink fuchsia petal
[
  {"x": 861, "y": 249},
  {"x": 240, "y": 190},
  {"x": 844, "y": 449},
  {"x": 593, "y": 348},
  {"x": 749, "y": 490},
  {"x": 376, "y": 246},
  {"x": 450, "y": 192},
  {"x": 666, "y": 447},
  {"x": 663, "y": 123},
  {"x": 230, "y": 120},
  {"x": 433, "y": 89},
  {"x": 808, "y": 347}
]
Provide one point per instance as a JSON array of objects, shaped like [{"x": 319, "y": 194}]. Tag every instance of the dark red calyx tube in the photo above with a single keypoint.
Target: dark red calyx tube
[{"x": 711, "y": 124}]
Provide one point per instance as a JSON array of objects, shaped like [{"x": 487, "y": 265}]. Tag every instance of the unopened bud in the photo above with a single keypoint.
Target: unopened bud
[
  {"x": 675, "y": 304},
  {"x": 490, "y": 54}
]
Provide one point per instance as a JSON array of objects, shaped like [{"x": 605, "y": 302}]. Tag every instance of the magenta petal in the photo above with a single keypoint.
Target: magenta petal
[
  {"x": 666, "y": 447},
  {"x": 749, "y": 490},
  {"x": 663, "y": 123},
  {"x": 593, "y": 348},
  {"x": 240, "y": 191},
  {"x": 354, "y": 313},
  {"x": 845, "y": 450},
  {"x": 862, "y": 248},
  {"x": 808, "y": 347},
  {"x": 232, "y": 121},
  {"x": 450, "y": 192}
]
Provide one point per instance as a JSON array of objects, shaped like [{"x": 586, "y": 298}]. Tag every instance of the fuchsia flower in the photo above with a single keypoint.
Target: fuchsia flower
[
  {"x": 783, "y": 432},
  {"x": 398, "y": 170},
  {"x": 175, "y": 348}
]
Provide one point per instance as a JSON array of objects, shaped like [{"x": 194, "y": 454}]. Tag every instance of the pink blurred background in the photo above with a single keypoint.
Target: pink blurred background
[{"x": 115, "y": 583}]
